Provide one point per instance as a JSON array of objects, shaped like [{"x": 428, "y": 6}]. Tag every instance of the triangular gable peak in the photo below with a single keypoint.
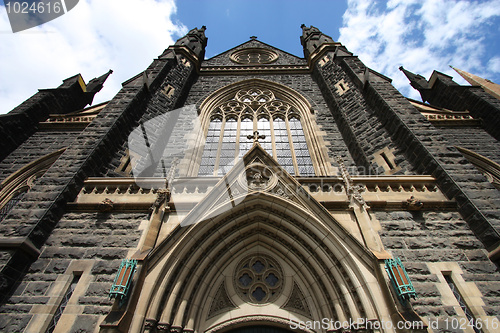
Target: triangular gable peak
[
  {"x": 258, "y": 175},
  {"x": 257, "y": 172},
  {"x": 254, "y": 53}
]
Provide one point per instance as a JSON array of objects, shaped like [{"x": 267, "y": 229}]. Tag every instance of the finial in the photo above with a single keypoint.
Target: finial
[
  {"x": 253, "y": 37},
  {"x": 302, "y": 25}
]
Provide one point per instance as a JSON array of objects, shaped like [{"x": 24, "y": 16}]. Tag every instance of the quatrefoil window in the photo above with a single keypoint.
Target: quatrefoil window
[{"x": 258, "y": 279}]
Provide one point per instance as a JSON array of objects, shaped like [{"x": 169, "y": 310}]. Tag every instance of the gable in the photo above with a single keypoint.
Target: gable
[{"x": 281, "y": 57}]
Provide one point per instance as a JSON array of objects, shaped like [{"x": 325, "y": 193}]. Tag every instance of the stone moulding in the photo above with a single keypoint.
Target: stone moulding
[
  {"x": 443, "y": 117},
  {"x": 489, "y": 168},
  {"x": 244, "y": 70},
  {"x": 24, "y": 178},
  {"x": 379, "y": 192},
  {"x": 74, "y": 120}
]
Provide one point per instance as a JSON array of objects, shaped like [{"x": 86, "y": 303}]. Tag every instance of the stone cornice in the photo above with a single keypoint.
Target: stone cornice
[
  {"x": 443, "y": 117},
  {"x": 260, "y": 69},
  {"x": 379, "y": 192}
]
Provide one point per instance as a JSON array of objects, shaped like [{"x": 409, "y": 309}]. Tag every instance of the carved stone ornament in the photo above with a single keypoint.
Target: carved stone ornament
[
  {"x": 149, "y": 325},
  {"x": 281, "y": 190},
  {"x": 221, "y": 302},
  {"x": 176, "y": 329},
  {"x": 253, "y": 56},
  {"x": 257, "y": 177},
  {"x": 413, "y": 204},
  {"x": 161, "y": 196},
  {"x": 257, "y": 180},
  {"x": 256, "y": 137},
  {"x": 163, "y": 327},
  {"x": 356, "y": 191},
  {"x": 106, "y": 205},
  {"x": 297, "y": 302},
  {"x": 353, "y": 191}
]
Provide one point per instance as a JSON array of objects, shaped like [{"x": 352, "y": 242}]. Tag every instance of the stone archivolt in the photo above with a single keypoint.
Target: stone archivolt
[{"x": 294, "y": 242}]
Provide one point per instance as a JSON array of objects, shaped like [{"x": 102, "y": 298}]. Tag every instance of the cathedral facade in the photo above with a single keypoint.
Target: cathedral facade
[{"x": 254, "y": 191}]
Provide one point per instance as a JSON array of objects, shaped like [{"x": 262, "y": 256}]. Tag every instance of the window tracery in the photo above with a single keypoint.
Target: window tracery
[
  {"x": 254, "y": 56},
  {"x": 255, "y": 109},
  {"x": 258, "y": 279}
]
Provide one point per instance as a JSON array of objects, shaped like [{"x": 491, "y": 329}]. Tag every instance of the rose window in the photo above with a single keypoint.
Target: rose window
[
  {"x": 254, "y": 56},
  {"x": 258, "y": 279}
]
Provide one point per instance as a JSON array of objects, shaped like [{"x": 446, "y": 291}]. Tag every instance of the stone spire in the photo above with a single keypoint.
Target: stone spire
[{"x": 490, "y": 87}]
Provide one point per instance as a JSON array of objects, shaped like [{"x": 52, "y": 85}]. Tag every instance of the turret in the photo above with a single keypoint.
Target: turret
[
  {"x": 418, "y": 82},
  {"x": 195, "y": 41},
  {"x": 443, "y": 92},
  {"x": 312, "y": 38},
  {"x": 95, "y": 85}
]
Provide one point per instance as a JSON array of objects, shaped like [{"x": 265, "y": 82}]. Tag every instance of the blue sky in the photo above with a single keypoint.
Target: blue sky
[
  {"x": 275, "y": 22},
  {"x": 125, "y": 35}
]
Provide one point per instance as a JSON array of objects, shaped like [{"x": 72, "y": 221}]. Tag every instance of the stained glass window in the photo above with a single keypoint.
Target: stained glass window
[
  {"x": 246, "y": 130},
  {"x": 211, "y": 147},
  {"x": 255, "y": 110},
  {"x": 63, "y": 304},
  {"x": 463, "y": 305},
  {"x": 264, "y": 128},
  {"x": 302, "y": 156},
  {"x": 283, "y": 150},
  {"x": 228, "y": 145}
]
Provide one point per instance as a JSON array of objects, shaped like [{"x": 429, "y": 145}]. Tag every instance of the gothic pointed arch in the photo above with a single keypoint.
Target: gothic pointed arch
[
  {"x": 487, "y": 167},
  {"x": 13, "y": 188},
  {"x": 281, "y": 114},
  {"x": 273, "y": 246}
]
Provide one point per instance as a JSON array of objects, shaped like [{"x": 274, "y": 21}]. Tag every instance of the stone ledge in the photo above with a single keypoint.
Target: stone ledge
[{"x": 22, "y": 243}]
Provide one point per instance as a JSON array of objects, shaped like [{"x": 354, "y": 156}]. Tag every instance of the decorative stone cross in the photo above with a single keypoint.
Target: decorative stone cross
[
  {"x": 253, "y": 37},
  {"x": 256, "y": 137}
]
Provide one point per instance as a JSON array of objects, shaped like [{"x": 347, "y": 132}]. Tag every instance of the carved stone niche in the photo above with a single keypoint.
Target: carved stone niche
[{"x": 257, "y": 177}]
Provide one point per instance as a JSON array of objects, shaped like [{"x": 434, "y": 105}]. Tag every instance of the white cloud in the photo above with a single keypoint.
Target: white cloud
[
  {"x": 124, "y": 34},
  {"x": 421, "y": 35},
  {"x": 494, "y": 64}
]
